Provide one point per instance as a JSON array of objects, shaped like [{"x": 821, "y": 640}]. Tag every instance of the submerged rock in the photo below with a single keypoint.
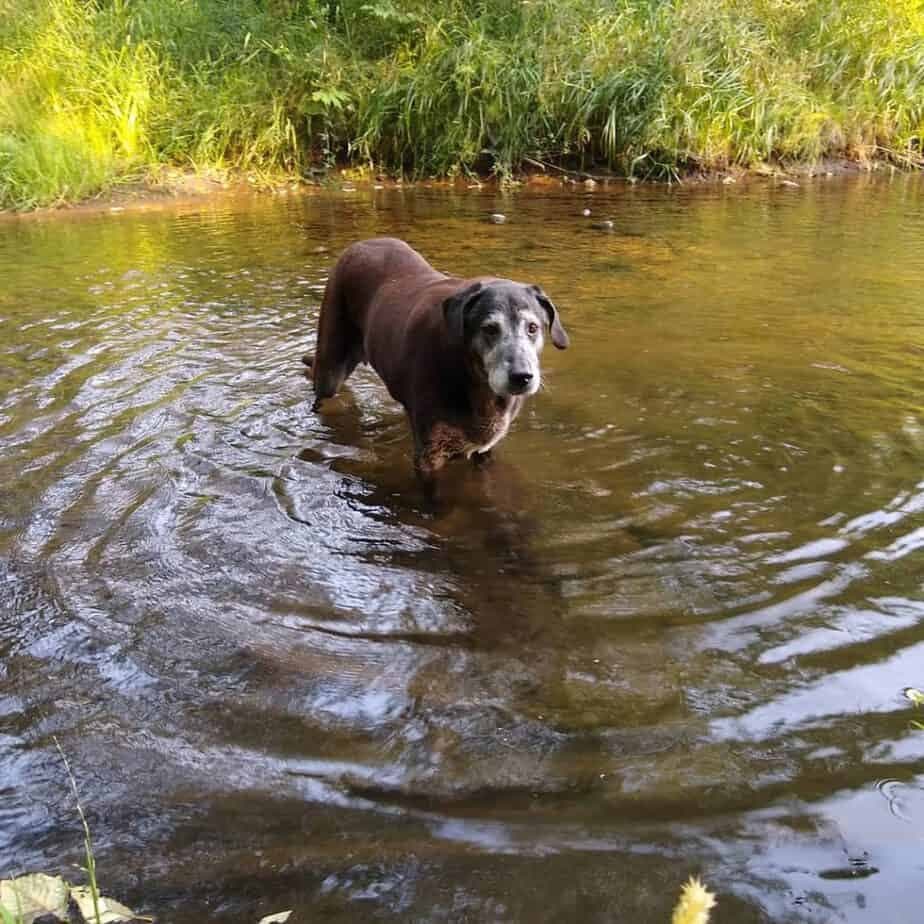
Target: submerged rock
[{"x": 498, "y": 218}]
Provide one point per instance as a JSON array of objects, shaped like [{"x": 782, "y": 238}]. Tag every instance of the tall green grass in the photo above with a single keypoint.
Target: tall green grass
[
  {"x": 74, "y": 109},
  {"x": 96, "y": 91}
]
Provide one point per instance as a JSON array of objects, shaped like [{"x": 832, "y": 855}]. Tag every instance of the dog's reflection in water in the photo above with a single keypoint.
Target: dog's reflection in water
[{"x": 481, "y": 522}]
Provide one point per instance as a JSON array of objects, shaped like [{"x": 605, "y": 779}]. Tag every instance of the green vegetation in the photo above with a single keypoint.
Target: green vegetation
[
  {"x": 90, "y": 868},
  {"x": 916, "y": 698},
  {"x": 95, "y": 91},
  {"x": 40, "y": 895}
]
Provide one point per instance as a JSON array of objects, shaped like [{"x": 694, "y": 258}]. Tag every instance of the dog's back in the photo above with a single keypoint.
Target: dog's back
[{"x": 359, "y": 275}]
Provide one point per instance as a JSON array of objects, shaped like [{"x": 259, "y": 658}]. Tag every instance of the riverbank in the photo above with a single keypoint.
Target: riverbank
[
  {"x": 95, "y": 95},
  {"x": 178, "y": 188}
]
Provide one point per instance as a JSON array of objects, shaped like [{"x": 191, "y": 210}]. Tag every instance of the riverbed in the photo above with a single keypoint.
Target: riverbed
[{"x": 666, "y": 632}]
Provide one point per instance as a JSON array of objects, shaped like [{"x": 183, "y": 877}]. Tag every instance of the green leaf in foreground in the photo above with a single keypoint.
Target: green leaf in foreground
[
  {"x": 110, "y": 911},
  {"x": 29, "y": 897},
  {"x": 914, "y": 695}
]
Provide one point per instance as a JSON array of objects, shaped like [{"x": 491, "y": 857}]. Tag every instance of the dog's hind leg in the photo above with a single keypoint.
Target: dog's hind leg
[
  {"x": 328, "y": 379},
  {"x": 339, "y": 348}
]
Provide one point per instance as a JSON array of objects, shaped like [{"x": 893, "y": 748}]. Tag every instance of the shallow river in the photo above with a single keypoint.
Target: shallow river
[{"x": 668, "y": 631}]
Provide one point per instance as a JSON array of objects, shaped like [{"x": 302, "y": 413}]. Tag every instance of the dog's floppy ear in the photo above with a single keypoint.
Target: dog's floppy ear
[
  {"x": 556, "y": 331},
  {"x": 455, "y": 307}
]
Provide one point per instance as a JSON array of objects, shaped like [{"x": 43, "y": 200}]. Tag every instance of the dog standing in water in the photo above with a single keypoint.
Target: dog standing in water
[{"x": 461, "y": 355}]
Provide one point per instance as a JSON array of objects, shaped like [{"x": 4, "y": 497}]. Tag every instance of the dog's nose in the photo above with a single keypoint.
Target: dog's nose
[{"x": 519, "y": 381}]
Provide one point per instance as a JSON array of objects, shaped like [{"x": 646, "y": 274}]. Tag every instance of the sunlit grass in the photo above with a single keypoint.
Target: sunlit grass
[
  {"x": 73, "y": 111},
  {"x": 93, "y": 91}
]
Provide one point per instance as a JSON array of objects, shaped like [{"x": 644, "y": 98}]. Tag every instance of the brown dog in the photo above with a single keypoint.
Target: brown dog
[{"x": 459, "y": 354}]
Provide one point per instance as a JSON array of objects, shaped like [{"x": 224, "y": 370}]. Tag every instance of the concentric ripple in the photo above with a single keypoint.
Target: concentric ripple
[{"x": 665, "y": 632}]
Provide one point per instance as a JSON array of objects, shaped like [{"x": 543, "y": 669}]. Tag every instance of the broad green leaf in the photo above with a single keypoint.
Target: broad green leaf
[
  {"x": 110, "y": 911},
  {"x": 29, "y": 897},
  {"x": 915, "y": 695}
]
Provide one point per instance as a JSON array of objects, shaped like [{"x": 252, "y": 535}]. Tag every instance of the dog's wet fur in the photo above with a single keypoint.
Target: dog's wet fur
[{"x": 461, "y": 355}]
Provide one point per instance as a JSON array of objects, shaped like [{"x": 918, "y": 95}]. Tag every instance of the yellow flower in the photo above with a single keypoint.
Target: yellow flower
[{"x": 695, "y": 902}]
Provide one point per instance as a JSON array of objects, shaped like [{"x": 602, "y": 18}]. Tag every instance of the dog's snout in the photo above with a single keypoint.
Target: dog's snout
[{"x": 519, "y": 381}]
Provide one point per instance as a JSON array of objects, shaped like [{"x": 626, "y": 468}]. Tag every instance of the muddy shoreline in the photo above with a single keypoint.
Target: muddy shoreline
[{"x": 179, "y": 188}]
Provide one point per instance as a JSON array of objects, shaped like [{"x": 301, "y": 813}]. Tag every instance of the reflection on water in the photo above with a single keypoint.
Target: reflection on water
[{"x": 667, "y": 632}]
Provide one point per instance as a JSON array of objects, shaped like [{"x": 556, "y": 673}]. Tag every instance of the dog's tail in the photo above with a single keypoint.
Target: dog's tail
[{"x": 308, "y": 359}]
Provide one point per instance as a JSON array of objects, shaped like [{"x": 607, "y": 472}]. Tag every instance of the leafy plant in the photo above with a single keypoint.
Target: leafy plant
[
  {"x": 916, "y": 697},
  {"x": 94, "y": 93},
  {"x": 90, "y": 868}
]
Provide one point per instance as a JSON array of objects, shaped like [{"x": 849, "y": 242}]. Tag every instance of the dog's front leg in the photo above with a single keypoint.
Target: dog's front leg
[
  {"x": 427, "y": 465},
  {"x": 430, "y": 456}
]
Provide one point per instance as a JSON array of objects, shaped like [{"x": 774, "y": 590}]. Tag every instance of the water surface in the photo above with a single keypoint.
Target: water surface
[{"x": 666, "y": 632}]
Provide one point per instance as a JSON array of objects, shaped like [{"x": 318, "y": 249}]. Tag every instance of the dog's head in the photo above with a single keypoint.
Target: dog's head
[{"x": 502, "y": 325}]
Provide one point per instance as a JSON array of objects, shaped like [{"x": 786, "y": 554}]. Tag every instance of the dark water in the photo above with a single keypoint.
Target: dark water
[{"x": 668, "y": 632}]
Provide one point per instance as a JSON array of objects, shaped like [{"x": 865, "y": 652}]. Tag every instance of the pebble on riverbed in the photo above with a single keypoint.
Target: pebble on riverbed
[
  {"x": 606, "y": 225},
  {"x": 497, "y": 218}
]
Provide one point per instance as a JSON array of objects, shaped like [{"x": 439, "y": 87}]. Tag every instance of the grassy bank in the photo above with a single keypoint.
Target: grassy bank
[{"x": 95, "y": 91}]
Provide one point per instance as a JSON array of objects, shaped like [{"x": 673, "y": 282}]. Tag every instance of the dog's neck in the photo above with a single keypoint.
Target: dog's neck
[
  {"x": 490, "y": 410},
  {"x": 484, "y": 402}
]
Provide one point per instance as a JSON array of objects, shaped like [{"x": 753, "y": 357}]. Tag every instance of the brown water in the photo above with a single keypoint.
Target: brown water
[{"x": 668, "y": 632}]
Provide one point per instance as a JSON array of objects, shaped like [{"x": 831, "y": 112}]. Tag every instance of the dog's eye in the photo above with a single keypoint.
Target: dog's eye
[
  {"x": 532, "y": 328},
  {"x": 491, "y": 330}
]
